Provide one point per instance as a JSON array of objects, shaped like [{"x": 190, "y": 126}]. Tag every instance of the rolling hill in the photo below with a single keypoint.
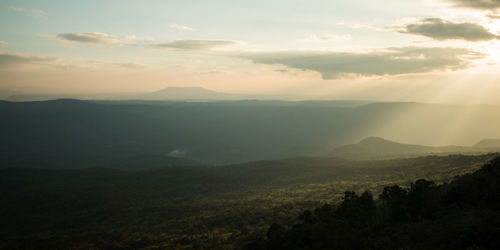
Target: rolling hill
[{"x": 379, "y": 148}]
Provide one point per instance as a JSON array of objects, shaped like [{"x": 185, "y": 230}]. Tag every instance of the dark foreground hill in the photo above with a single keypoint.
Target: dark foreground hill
[
  {"x": 464, "y": 214},
  {"x": 190, "y": 207}
]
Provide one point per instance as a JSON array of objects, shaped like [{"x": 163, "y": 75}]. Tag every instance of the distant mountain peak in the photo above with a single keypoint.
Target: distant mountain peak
[
  {"x": 188, "y": 93},
  {"x": 179, "y": 87},
  {"x": 186, "y": 89},
  {"x": 373, "y": 140}
]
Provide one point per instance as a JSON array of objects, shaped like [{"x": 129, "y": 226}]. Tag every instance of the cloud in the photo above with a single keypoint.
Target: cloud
[
  {"x": 193, "y": 44},
  {"x": 17, "y": 9},
  {"x": 281, "y": 70},
  {"x": 490, "y": 16},
  {"x": 352, "y": 25},
  {"x": 476, "y": 4},
  {"x": 3, "y": 43},
  {"x": 337, "y": 37},
  {"x": 180, "y": 27},
  {"x": 127, "y": 65},
  {"x": 131, "y": 65},
  {"x": 440, "y": 29},
  {"x": 35, "y": 13},
  {"x": 330, "y": 38},
  {"x": 211, "y": 72},
  {"x": 95, "y": 38},
  {"x": 391, "y": 61},
  {"x": 9, "y": 59},
  {"x": 38, "y": 13}
]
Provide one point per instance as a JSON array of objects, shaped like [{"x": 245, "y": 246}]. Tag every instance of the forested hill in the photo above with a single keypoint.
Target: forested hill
[
  {"x": 464, "y": 214},
  {"x": 378, "y": 148}
]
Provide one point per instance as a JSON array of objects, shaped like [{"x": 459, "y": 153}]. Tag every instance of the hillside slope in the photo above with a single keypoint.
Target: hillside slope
[
  {"x": 464, "y": 214},
  {"x": 379, "y": 148},
  {"x": 190, "y": 206}
]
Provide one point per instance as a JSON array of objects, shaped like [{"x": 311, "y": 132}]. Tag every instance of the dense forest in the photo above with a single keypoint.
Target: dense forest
[
  {"x": 464, "y": 214},
  {"x": 221, "y": 207}
]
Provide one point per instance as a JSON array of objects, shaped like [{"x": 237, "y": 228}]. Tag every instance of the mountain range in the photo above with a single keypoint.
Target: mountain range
[
  {"x": 78, "y": 134},
  {"x": 190, "y": 93},
  {"x": 166, "y": 94}
]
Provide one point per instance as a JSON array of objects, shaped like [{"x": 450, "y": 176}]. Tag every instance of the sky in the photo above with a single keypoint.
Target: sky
[{"x": 444, "y": 51}]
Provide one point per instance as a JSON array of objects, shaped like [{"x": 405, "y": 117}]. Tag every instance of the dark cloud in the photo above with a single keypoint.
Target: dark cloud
[
  {"x": 193, "y": 44},
  {"x": 95, "y": 38},
  {"x": 281, "y": 70},
  {"x": 440, "y": 29},
  {"x": 8, "y": 59},
  {"x": 476, "y": 4},
  {"x": 392, "y": 61}
]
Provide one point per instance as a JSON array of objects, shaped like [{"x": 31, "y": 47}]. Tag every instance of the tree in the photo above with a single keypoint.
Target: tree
[
  {"x": 396, "y": 198},
  {"x": 423, "y": 200},
  {"x": 275, "y": 235},
  {"x": 359, "y": 210}
]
